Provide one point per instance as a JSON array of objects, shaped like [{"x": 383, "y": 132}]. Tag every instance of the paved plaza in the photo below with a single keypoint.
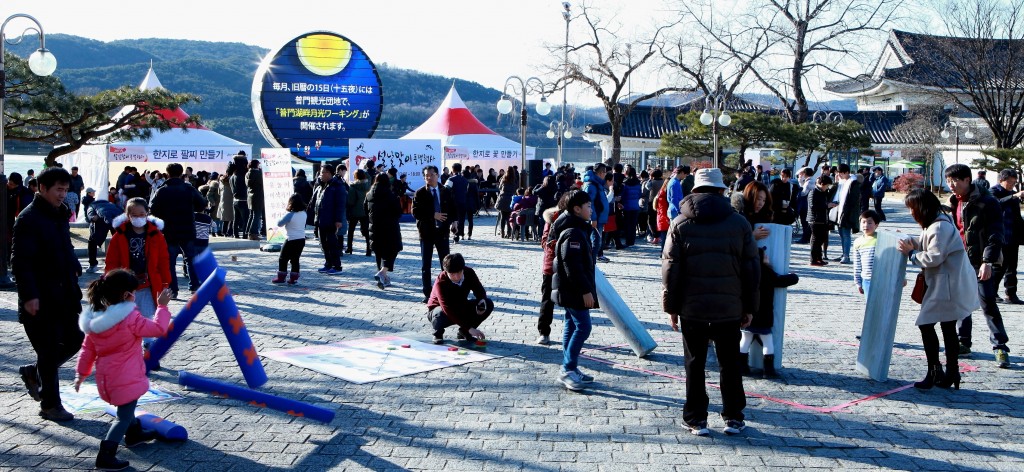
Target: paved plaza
[{"x": 510, "y": 413}]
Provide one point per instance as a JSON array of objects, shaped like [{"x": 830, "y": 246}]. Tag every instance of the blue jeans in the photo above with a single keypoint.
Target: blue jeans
[
  {"x": 597, "y": 240},
  {"x": 427, "y": 253},
  {"x": 866, "y": 285},
  {"x": 188, "y": 252},
  {"x": 576, "y": 332},
  {"x": 846, "y": 240}
]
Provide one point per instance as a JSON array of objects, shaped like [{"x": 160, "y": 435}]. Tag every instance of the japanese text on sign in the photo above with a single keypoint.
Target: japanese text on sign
[{"x": 321, "y": 88}]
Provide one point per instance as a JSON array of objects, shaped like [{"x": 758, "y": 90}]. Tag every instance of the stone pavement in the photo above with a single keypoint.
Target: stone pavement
[{"x": 510, "y": 413}]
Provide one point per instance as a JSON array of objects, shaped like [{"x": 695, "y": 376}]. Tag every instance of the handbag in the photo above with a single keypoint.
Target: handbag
[
  {"x": 833, "y": 215},
  {"x": 920, "y": 287}
]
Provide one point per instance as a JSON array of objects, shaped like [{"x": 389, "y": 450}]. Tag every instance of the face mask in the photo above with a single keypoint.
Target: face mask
[{"x": 139, "y": 222}]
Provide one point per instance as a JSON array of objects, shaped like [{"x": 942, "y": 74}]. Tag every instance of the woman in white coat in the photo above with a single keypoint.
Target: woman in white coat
[{"x": 940, "y": 254}]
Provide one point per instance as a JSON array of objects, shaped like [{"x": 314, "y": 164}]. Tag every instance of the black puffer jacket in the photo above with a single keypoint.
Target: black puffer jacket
[
  {"x": 175, "y": 203},
  {"x": 710, "y": 267},
  {"x": 573, "y": 264},
  {"x": 44, "y": 261},
  {"x": 384, "y": 210},
  {"x": 983, "y": 226}
]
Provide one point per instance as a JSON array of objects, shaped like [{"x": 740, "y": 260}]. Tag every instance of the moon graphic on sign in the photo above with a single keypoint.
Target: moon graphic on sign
[{"x": 324, "y": 54}]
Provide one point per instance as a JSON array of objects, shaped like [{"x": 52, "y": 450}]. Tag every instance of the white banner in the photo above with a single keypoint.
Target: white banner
[
  {"x": 185, "y": 153},
  {"x": 409, "y": 156},
  {"x": 472, "y": 156},
  {"x": 276, "y": 164}
]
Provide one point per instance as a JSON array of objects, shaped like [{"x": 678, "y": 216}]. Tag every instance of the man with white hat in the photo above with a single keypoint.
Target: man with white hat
[{"x": 710, "y": 274}]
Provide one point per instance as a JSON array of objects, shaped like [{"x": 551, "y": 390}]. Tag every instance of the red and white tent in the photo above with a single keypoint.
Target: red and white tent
[
  {"x": 465, "y": 139},
  {"x": 197, "y": 147}
]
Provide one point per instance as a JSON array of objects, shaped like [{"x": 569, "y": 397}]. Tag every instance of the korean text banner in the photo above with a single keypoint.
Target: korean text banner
[
  {"x": 409, "y": 156},
  {"x": 314, "y": 94},
  {"x": 183, "y": 153},
  {"x": 276, "y": 164}
]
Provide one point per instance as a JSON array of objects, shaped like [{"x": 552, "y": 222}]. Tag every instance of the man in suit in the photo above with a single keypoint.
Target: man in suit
[{"x": 431, "y": 206}]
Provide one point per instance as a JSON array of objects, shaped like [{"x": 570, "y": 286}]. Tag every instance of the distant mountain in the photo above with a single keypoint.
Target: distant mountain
[{"x": 222, "y": 74}]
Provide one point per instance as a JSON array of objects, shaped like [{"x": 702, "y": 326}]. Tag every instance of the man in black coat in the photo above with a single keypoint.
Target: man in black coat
[
  {"x": 328, "y": 210},
  {"x": 49, "y": 298},
  {"x": 785, "y": 194},
  {"x": 432, "y": 205},
  {"x": 458, "y": 185},
  {"x": 175, "y": 203},
  {"x": 1013, "y": 226}
]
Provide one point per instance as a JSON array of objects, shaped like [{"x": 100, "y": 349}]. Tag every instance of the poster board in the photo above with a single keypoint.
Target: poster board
[
  {"x": 778, "y": 246},
  {"x": 883, "y": 307},
  {"x": 276, "y": 164},
  {"x": 409, "y": 156}
]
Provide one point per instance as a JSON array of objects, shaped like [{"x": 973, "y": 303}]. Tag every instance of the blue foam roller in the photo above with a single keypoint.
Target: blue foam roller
[
  {"x": 167, "y": 430},
  {"x": 255, "y": 398},
  {"x": 639, "y": 340},
  {"x": 158, "y": 349},
  {"x": 231, "y": 322},
  {"x": 883, "y": 307}
]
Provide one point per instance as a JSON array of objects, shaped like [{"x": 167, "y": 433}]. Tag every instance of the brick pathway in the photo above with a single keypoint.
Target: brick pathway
[{"x": 510, "y": 414}]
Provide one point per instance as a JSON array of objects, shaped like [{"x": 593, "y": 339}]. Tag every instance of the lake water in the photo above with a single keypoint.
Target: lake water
[{"x": 21, "y": 163}]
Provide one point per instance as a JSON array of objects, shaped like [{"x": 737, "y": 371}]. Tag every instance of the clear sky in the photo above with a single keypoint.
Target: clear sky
[{"x": 478, "y": 40}]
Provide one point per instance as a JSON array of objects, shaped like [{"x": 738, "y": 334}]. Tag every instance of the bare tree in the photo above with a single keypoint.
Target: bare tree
[
  {"x": 783, "y": 42},
  {"x": 923, "y": 133},
  {"x": 604, "y": 63},
  {"x": 979, "y": 65}
]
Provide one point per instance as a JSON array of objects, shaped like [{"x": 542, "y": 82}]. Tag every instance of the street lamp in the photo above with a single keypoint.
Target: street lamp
[
  {"x": 505, "y": 107},
  {"x": 559, "y": 129},
  {"x": 42, "y": 63},
  {"x": 567, "y": 16},
  {"x": 715, "y": 105},
  {"x": 957, "y": 125}
]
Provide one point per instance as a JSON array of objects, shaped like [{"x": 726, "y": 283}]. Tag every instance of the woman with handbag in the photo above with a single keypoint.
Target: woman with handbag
[{"x": 940, "y": 254}]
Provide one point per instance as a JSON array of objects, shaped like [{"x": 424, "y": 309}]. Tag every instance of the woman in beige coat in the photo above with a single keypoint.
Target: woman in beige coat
[
  {"x": 226, "y": 212},
  {"x": 940, "y": 254}
]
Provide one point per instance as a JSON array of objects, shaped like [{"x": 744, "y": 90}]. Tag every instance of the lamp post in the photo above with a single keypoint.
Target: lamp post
[
  {"x": 957, "y": 125},
  {"x": 832, "y": 117},
  {"x": 505, "y": 107},
  {"x": 567, "y": 16},
  {"x": 42, "y": 63},
  {"x": 558, "y": 130},
  {"x": 715, "y": 114}
]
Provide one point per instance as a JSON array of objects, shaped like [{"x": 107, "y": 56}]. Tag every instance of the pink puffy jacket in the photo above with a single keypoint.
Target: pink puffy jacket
[{"x": 113, "y": 342}]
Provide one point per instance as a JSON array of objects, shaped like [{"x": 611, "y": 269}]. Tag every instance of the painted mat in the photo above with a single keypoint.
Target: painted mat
[
  {"x": 373, "y": 359},
  {"x": 87, "y": 399}
]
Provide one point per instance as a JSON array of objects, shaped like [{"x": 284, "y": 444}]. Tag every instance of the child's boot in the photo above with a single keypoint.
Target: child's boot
[
  {"x": 744, "y": 363},
  {"x": 107, "y": 459},
  {"x": 136, "y": 435},
  {"x": 279, "y": 279},
  {"x": 293, "y": 278},
  {"x": 769, "y": 367}
]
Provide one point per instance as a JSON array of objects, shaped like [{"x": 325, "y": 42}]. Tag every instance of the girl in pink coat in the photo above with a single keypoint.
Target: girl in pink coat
[{"x": 114, "y": 329}]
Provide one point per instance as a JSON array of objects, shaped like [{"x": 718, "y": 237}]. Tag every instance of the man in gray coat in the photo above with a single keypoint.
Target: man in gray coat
[{"x": 710, "y": 275}]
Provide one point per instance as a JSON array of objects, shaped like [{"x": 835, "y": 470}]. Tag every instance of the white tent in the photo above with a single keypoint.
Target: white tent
[
  {"x": 196, "y": 147},
  {"x": 465, "y": 139}
]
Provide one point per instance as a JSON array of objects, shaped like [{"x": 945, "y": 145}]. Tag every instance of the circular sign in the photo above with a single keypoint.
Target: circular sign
[{"x": 315, "y": 93}]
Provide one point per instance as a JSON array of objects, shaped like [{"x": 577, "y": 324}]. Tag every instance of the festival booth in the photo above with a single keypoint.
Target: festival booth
[
  {"x": 195, "y": 146},
  {"x": 466, "y": 140}
]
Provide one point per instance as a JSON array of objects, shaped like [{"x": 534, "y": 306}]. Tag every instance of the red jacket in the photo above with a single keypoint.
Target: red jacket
[
  {"x": 113, "y": 343},
  {"x": 661, "y": 207},
  {"x": 157, "y": 259}
]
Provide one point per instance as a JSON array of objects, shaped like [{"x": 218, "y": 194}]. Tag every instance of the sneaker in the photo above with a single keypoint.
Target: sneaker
[
  {"x": 323, "y": 270},
  {"x": 965, "y": 350},
  {"x": 819, "y": 263},
  {"x": 465, "y": 337},
  {"x": 438, "y": 339},
  {"x": 837, "y": 259},
  {"x": 57, "y": 413},
  {"x": 333, "y": 271},
  {"x": 543, "y": 340},
  {"x": 572, "y": 381},
  {"x": 845, "y": 261},
  {"x": 733, "y": 427},
  {"x": 1002, "y": 358},
  {"x": 92, "y": 269},
  {"x": 584, "y": 377},
  {"x": 603, "y": 259},
  {"x": 31, "y": 379},
  {"x": 699, "y": 429}
]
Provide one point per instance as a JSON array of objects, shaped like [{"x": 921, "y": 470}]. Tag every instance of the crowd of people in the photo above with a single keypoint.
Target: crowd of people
[{"x": 718, "y": 283}]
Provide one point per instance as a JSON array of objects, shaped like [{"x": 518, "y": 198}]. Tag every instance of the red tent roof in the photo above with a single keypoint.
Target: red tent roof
[
  {"x": 176, "y": 116},
  {"x": 451, "y": 118}
]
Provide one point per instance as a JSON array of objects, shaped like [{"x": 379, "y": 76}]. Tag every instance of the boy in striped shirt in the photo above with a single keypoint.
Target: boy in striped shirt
[{"x": 864, "y": 251}]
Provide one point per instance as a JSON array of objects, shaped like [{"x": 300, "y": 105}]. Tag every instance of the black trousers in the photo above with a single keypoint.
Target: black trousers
[
  {"x": 363, "y": 222},
  {"x": 547, "y": 307},
  {"x": 439, "y": 321},
  {"x": 426, "y": 255},
  {"x": 819, "y": 238},
  {"x": 727, "y": 348},
  {"x": 291, "y": 252},
  {"x": 469, "y": 223},
  {"x": 241, "y": 213},
  {"x": 330, "y": 247},
  {"x": 994, "y": 319},
  {"x": 56, "y": 339},
  {"x": 629, "y": 221},
  {"x": 1008, "y": 271},
  {"x": 878, "y": 208}
]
